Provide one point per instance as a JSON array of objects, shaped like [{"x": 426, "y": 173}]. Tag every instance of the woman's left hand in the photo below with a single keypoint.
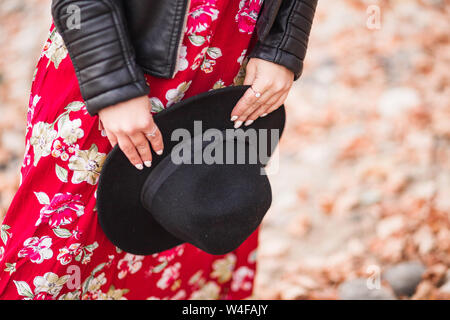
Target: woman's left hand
[{"x": 273, "y": 81}]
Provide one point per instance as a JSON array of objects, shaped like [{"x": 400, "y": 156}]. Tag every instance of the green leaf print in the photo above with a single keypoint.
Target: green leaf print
[
  {"x": 10, "y": 268},
  {"x": 42, "y": 197},
  {"x": 74, "y": 106},
  {"x": 23, "y": 289},
  {"x": 214, "y": 52},
  {"x": 4, "y": 233},
  {"x": 62, "y": 233},
  {"x": 63, "y": 120},
  {"x": 197, "y": 40},
  {"x": 61, "y": 173}
]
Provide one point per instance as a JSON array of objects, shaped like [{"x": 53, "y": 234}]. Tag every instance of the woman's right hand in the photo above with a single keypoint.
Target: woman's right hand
[{"x": 127, "y": 124}]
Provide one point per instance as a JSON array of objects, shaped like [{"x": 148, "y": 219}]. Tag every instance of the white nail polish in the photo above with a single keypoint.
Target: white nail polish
[
  {"x": 148, "y": 163},
  {"x": 248, "y": 122},
  {"x": 237, "y": 124},
  {"x": 139, "y": 166},
  {"x": 159, "y": 152},
  {"x": 263, "y": 115},
  {"x": 234, "y": 118}
]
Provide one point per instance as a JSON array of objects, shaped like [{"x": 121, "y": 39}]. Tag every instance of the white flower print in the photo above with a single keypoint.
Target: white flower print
[
  {"x": 218, "y": 84},
  {"x": 182, "y": 61},
  {"x": 55, "y": 50},
  {"x": 113, "y": 294},
  {"x": 207, "y": 64},
  {"x": 63, "y": 209},
  {"x": 37, "y": 249},
  {"x": 62, "y": 151},
  {"x": 200, "y": 20},
  {"x": 223, "y": 268},
  {"x": 242, "y": 279},
  {"x": 197, "y": 278},
  {"x": 87, "y": 165},
  {"x": 247, "y": 15},
  {"x": 96, "y": 283},
  {"x": 201, "y": 16},
  {"x": 50, "y": 283},
  {"x": 199, "y": 58},
  {"x": 71, "y": 131},
  {"x": 26, "y": 158},
  {"x": 34, "y": 74},
  {"x": 252, "y": 256},
  {"x": 78, "y": 252},
  {"x": 180, "y": 295},
  {"x": 30, "y": 113},
  {"x": 169, "y": 275},
  {"x": 175, "y": 95},
  {"x": 242, "y": 56},
  {"x": 210, "y": 291},
  {"x": 130, "y": 263},
  {"x": 42, "y": 139},
  {"x": 70, "y": 296}
]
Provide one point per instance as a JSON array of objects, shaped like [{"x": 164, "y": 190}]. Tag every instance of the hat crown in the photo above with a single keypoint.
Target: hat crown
[{"x": 212, "y": 206}]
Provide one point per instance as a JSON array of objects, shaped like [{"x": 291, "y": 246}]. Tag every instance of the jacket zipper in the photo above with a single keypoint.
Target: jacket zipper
[{"x": 181, "y": 37}]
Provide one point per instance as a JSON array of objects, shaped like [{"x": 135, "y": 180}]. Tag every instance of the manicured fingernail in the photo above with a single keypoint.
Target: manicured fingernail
[
  {"x": 237, "y": 124},
  {"x": 263, "y": 115},
  {"x": 159, "y": 152},
  {"x": 234, "y": 118},
  {"x": 248, "y": 122},
  {"x": 147, "y": 163},
  {"x": 139, "y": 166}
]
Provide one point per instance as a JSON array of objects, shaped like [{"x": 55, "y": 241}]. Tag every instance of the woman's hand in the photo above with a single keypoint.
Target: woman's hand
[
  {"x": 273, "y": 81},
  {"x": 127, "y": 124}
]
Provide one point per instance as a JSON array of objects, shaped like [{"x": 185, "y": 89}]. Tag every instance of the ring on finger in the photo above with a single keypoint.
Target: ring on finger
[
  {"x": 257, "y": 93},
  {"x": 152, "y": 133}
]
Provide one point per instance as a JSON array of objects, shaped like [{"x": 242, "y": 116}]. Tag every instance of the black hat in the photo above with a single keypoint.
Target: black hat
[{"x": 209, "y": 189}]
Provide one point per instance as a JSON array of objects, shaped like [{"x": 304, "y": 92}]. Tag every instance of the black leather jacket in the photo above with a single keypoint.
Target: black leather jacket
[{"x": 120, "y": 40}]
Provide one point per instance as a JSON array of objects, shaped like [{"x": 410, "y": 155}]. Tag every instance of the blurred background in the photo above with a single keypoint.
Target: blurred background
[{"x": 361, "y": 191}]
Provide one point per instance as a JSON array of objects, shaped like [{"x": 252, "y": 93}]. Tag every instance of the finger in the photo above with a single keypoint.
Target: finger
[
  {"x": 266, "y": 106},
  {"x": 254, "y": 113},
  {"x": 128, "y": 148},
  {"x": 155, "y": 139},
  {"x": 276, "y": 105},
  {"x": 143, "y": 148},
  {"x": 248, "y": 102},
  {"x": 267, "y": 95},
  {"x": 248, "y": 96},
  {"x": 111, "y": 137},
  {"x": 282, "y": 91}
]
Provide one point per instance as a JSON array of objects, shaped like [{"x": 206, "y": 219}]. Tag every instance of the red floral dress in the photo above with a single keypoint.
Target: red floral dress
[{"x": 52, "y": 246}]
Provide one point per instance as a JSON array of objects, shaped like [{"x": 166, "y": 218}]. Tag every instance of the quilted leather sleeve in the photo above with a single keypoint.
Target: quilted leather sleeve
[
  {"x": 287, "y": 40},
  {"x": 101, "y": 52}
]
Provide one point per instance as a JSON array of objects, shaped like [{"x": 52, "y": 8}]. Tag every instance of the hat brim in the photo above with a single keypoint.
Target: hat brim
[{"x": 125, "y": 222}]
